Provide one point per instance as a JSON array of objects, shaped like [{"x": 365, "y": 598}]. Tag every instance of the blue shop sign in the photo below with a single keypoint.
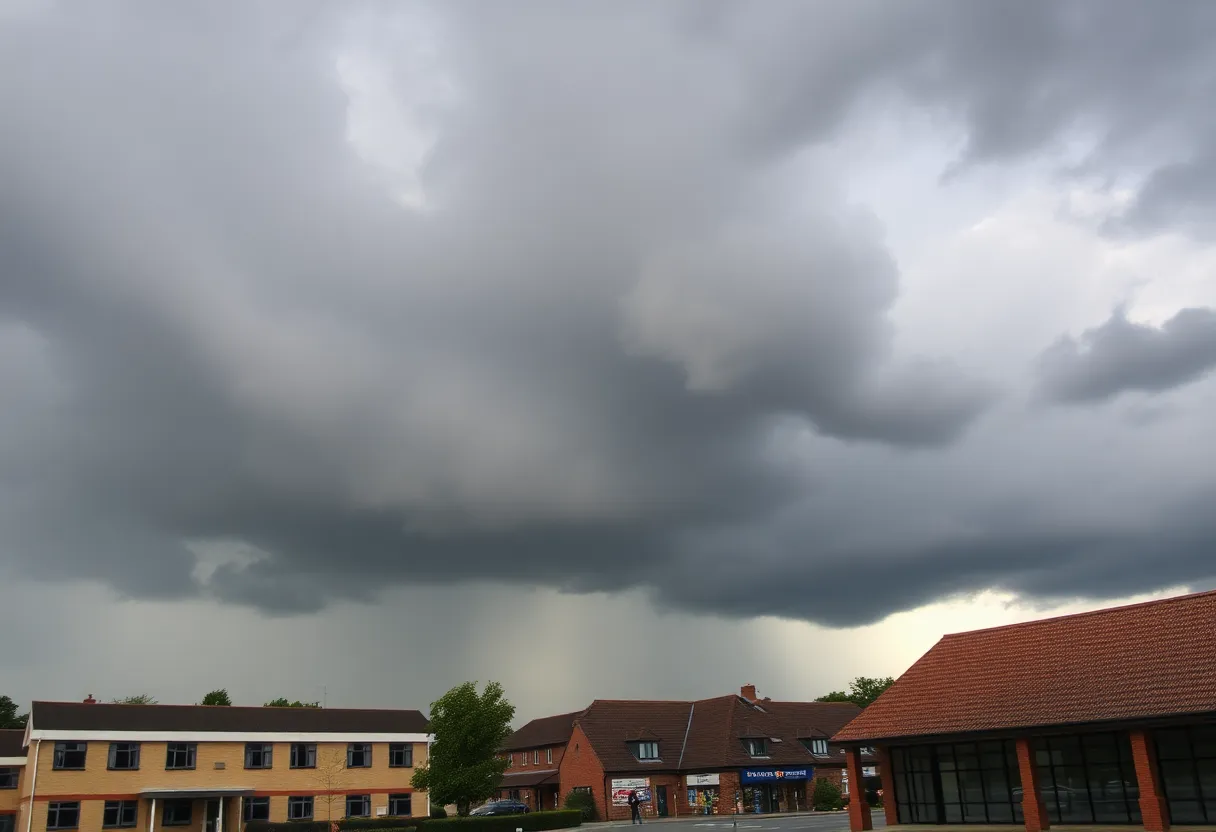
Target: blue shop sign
[{"x": 775, "y": 775}]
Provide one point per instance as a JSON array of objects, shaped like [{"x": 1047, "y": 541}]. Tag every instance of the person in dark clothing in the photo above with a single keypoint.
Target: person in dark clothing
[{"x": 635, "y": 808}]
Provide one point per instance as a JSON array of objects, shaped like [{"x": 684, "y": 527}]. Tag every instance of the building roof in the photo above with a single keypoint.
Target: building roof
[
  {"x": 1134, "y": 662},
  {"x": 527, "y": 779},
  {"x": 549, "y": 730},
  {"x": 78, "y": 716},
  {"x": 708, "y": 734},
  {"x": 12, "y": 742}
]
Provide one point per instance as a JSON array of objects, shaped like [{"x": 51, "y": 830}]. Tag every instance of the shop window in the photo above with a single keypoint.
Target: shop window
[
  {"x": 255, "y": 808},
  {"x": 400, "y": 805},
  {"x": 1088, "y": 778},
  {"x": 124, "y": 756},
  {"x": 1186, "y": 759}
]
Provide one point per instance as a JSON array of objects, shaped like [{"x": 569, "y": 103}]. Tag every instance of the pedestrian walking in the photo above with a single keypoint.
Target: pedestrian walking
[{"x": 635, "y": 808}]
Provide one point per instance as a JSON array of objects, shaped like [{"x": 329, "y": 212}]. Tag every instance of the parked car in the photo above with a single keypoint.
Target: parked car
[{"x": 500, "y": 807}]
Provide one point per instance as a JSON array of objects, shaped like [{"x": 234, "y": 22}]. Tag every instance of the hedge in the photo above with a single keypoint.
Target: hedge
[{"x": 531, "y": 822}]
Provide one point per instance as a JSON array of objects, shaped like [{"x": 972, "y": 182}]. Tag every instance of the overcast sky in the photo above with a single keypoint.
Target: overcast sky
[{"x": 606, "y": 349}]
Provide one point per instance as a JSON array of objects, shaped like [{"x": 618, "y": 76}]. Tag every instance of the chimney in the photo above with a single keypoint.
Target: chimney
[
  {"x": 90, "y": 700},
  {"x": 748, "y": 692}
]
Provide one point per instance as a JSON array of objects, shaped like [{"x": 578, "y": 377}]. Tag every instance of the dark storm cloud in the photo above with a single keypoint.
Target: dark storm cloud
[
  {"x": 1121, "y": 356},
  {"x": 562, "y": 370}
]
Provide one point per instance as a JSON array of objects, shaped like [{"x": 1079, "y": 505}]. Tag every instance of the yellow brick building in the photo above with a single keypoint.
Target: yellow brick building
[{"x": 194, "y": 768}]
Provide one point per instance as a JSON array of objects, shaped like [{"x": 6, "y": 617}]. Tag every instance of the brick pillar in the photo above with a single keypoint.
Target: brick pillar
[
  {"x": 1033, "y": 809},
  {"x": 859, "y": 810},
  {"x": 887, "y": 774},
  {"x": 1153, "y": 810}
]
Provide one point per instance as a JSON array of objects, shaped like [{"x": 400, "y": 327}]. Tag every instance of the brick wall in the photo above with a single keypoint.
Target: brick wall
[
  {"x": 10, "y": 799},
  {"x": 580, "y": 767}
]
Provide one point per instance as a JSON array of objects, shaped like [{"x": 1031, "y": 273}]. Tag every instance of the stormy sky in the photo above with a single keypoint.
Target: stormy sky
[{"x": 661, "y": 343}]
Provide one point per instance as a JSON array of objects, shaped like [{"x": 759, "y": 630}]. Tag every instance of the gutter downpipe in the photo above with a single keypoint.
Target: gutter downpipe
[
  {"x": 29, "y": 819},
  {"x": 680, "y": 765}
]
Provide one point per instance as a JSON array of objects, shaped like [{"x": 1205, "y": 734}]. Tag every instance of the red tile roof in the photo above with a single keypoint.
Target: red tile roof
[
  {"x": 527, "y": 779},
  {"x": 1141, "y": 661},
  {"x": 549, "y": 730}
]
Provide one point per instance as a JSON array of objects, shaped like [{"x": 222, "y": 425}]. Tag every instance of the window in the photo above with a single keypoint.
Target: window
[
  {"x": 647, "y": 751},
  {"x": 255, "y": 808},
  {"x": 510, "y": 760},
  {"x": 1088, "y": 778},
  {"x": 358, "y": 805},
  {"x": 817, "y": 747},
  {"x": 69, "y": 756},
  {"x": 756, "y": 747},
  {"x": 63, "y": 815},
  {"x": 1186, "y": 758},
  {"x": 258, "y": 754},
  {"x": 536, "y": 757},
  {"x": 867, "y": 750},
  {"x": 358, "y": 755},
  {"x": 299, "y": 808},
  {"x": 178, "y": 812},
  {"x": 8, "y": 778},
  {"x": 180, "y": 755},
  {"x": 119, "y": 814},
  {"x": 124, "y": 756},
  {"x": 401, "y": 755},
  {"x": 549, "y": 755},
  {"x": 523, "y": 758},
  {"x": 7, "y": 822},
  {"x": 399, "y": 805},
  {"x": 303, "y": 755}
]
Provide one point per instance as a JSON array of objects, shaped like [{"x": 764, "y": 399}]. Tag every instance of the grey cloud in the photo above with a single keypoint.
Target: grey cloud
[
  {"x": 1121, "y": 356},
  {"x": 565, "y": 366}
]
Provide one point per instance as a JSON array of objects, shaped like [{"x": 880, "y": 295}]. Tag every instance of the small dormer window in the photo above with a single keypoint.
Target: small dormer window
[
  {"x": 817, "y": 747},
  {"x": 756, "y": 746},
  {"x": 647, "y": 750}
]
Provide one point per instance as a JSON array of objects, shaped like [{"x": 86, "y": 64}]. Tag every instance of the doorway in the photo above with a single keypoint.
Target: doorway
[
  {"x": 211, "y": 814},
  {"x": 660, "y": 796}
]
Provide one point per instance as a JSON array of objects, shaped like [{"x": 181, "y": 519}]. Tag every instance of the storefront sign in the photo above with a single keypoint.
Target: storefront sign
[
  {"x": 622, "y": 788},
  {"x": 774, "y": 775},
  {"x": 703, "y": 779}
]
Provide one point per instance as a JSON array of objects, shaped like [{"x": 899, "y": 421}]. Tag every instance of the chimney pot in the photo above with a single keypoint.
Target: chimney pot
[
  {"x": 90, "y": 700},
  {"x": 748, "y": 692}
]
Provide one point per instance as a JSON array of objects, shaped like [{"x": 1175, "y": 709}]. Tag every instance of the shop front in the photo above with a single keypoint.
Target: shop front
[
  {"x": 773, "y": 790},
  {"x": 704, "y": 793}
]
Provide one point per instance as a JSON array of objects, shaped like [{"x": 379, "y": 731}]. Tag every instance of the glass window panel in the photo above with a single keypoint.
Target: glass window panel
[
  {"x": 1100, "y": 748},
  {"x": 950, "y": 792},
  {"x": 1074, "y": 805},
  {"x": 1207, "y": 778},
  {"x": 971, "y": 786},
  {"x": 969, "y": 761},
  {"x": 1186, "y": 811},
  {"x": 996, "y": 787},
  {"x": 1000, "y": 813},
  {"x": 974, "y": 813},
  {"x": 1172, "y": 744},
  {"x": 1178, "y": 777},
  {"x": 1204, "y": 740},
  {"x": 954, "y": 813}
]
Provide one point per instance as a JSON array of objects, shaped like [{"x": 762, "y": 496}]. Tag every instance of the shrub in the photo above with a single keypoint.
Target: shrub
[
  {"x": 438, "y": 812},
  {"x": 583, "y": 802},
  {"x": 826, "y": 796},
  {"x": 378, "y": 824}
]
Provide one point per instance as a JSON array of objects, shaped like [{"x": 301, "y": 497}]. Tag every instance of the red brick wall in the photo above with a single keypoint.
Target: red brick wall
[
  {"x": 580, "y": 767},
  {"x": 1152, "y": 803}
]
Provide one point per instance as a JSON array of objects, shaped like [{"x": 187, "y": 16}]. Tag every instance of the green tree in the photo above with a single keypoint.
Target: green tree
[
  {"x": 283, "y": 702},
  {"x": 463, "y": 766},
  {"x": 137, "y": 699},
  {"x": 9, "y": 718},
  {"x": 862, "y": 691},
  {"x": 826, "y": 796},
  {"x": 217, "y": 697}
]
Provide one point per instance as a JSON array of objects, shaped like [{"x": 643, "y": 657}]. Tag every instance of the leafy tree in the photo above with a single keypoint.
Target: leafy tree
[
  {"x": 862, "y": 691},
  {"x": 137, "y": 699},
  {"x": 826, "y": 797},
  {"x": 217, "y": 697},
  {"x": 464, "y": 766},
  {"x": 9, "y": 718},
  {"x": 283, "y": 702}
]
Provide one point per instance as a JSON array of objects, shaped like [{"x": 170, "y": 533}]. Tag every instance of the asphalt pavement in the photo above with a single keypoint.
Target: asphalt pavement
[{"x": 827, "y": 822}]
